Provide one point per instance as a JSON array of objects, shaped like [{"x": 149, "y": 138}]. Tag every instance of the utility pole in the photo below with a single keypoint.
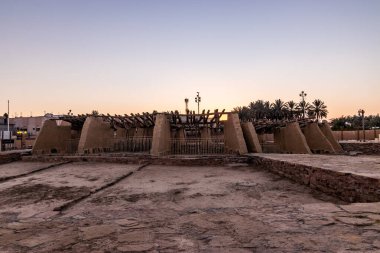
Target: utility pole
[
  {"x": 361, "y": 114},
  {"x": 198, "y": 100},
  {"x": 303, "y": 95}
]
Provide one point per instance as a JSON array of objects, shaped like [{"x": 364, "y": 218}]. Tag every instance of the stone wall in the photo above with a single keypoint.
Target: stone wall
[
  {"x": 214, "y": 160},
  {"x": 367, "y": 148},
  {"x": 346, "y": 186},
  {"x": 9, "y": 157}
]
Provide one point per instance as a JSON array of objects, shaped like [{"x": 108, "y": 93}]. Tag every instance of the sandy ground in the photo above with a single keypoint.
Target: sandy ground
[{"x": 235, "y": 208}]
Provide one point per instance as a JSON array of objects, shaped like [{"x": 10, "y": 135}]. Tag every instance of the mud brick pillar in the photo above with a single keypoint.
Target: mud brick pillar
[
  {"x": 161, "y": 136},
  {"x": 326, "y": 130},
  {"x": 291, "y": 140},
  {"x": 251, "y": 138},
  {"x": 52, "y": 138},
  {"x": 316, "y": 140},
  {"x": 233, "y": 135},
  {"x": 96, "y": 136}
]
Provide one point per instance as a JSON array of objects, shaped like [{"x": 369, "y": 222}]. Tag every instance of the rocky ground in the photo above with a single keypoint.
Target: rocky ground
[{"x": 103, "y": 207}]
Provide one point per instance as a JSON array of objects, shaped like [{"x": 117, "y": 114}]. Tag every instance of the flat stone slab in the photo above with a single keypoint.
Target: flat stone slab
[
  {"x": 362, "y": 221},
  {"x": 98, "y": 231},
  {"x": 362, "y": 207},
  {"x": 19, "y": 168},
  {"x": 135, "y": 237},
  {"x": 34, "y": 241},
  {"x": 135, "y": 247}
]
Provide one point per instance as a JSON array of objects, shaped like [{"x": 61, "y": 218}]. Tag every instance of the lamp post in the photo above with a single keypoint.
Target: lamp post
[
  {"x": 303, "y": 95},
  {"x": 361, "y": 114},
  {"x": 198, "y": 100},
  {"x": 8, "y": 117},
  {"x": 187, "y": 105}
]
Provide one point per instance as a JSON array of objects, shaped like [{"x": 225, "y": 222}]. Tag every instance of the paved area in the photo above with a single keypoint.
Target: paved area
[
  {"x": 368, "y": 166},
  {"x": 234, "y": 208},
  {"x": 19, "y": 168}
]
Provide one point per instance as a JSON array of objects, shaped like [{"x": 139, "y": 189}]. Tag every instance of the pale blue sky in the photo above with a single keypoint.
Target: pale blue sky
[{"x": 134, "y": 56}]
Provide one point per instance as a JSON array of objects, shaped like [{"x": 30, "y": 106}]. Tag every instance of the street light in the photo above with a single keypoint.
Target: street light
[
  {"x": 303, "y": 95},
  {"x": 198, "y": 100},
  {"x": 361, "y": 114},
  {"x": 187, "y": 104}
]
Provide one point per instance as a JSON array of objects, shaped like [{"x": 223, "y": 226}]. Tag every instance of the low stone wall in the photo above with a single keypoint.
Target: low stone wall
[
  {"x": 364, "y": 147},
  {"x": 216, "y": 160},
  {"x": 346, "y": 186},
  {"x": 9, "y": 157}
]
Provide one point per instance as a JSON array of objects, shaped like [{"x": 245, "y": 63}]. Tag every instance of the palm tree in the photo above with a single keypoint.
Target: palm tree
[
  {"x": 257, "y": 109},
  {"x": 278, "y": 108},
  {"x": 291, "y": 108},
  {"x": 243, "y": 112},
  {"x": 319, "y": 109},
  {"x": 268, "y": 113},
  {"x": 303, "y": 108}
]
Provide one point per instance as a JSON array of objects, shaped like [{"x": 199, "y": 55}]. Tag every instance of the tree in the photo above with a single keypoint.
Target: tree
[
  {"x": 303, "y": 108},
  {"x": 243, "y": 112},
  {"x": 318, "y": 109},
  {"x": 94, "y": 113},
  {"x": 278, "y": 109},
  {"x": 257, "y": 109},
  {"x": 291, "y": 107}
]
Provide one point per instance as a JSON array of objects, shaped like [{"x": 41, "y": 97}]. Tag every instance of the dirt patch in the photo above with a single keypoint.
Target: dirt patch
[
  {"x": 172, "y": 196},
  {"x": 32, "y": 193}
]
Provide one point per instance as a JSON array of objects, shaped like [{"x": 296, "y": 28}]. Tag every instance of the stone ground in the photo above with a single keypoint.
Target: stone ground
[{"x": 232, "y": 208}]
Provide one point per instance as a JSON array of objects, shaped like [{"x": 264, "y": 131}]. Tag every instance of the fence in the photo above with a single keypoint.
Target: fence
[
  {"x": 197, "y": 146},
  {"x": 133, "y": 144},
  {"x": 71, "y": 146}
]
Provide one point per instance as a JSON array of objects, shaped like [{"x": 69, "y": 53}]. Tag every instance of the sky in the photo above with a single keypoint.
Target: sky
[{"x": 131, "y": 56}]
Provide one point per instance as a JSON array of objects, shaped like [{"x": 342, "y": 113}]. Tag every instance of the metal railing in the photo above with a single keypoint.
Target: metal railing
[
  {"x": 71, "y": 146},
  {"x": 197, "y": 146},
  {"x": 133, "y": 144}
]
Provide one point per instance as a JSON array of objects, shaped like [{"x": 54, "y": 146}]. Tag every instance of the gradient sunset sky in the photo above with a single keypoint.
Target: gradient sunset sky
[{"x": 134, "y": 56}]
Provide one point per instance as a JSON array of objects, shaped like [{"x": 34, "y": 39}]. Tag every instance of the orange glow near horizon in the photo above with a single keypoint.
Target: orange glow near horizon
[{"x": 122, "y": 57}]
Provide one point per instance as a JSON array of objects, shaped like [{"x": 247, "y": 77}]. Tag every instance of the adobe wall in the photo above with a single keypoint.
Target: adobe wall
[
  {"x": 251, "y": 138},
  {"x": 52, "y": 138},
  {"x": 316, "y": 140},
  {"x": 161, "y": 136},
  {"x": 326, "y": 130},
  {"x": 367, "y": 148},
  {"x": 233, "y": 135},
  {"x": 97, "y": 136},
  {"x": 369, "y": 134},
  {"x": 356, "y": 135},
  {"x": 290, "y": 139}
]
